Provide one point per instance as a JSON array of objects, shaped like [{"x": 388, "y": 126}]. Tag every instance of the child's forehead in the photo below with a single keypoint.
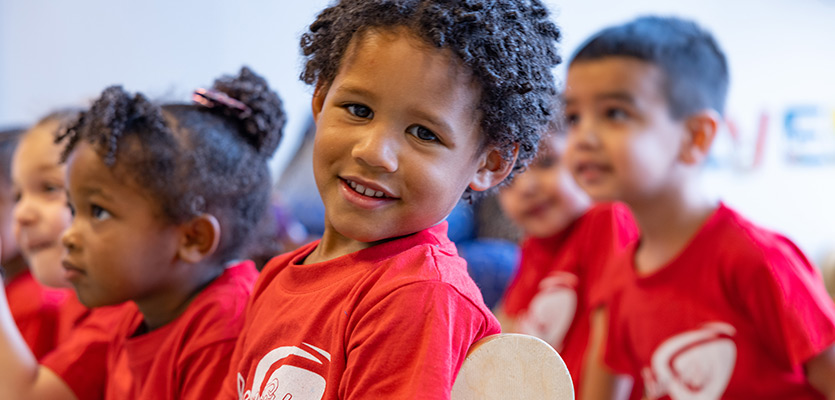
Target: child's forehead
[
  {"x": 614, "y": 76},
  {"x": 372, "y": 39},
  {"x": 87, "y": 166}
]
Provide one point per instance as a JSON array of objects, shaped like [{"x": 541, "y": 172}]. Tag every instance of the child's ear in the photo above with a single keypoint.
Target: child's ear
[
  {"x": 493, "y": 168},
  {"x": 200, "y": 238},
  {"x": 318, "y": 101},
  {"x": 700, "y": 130}
]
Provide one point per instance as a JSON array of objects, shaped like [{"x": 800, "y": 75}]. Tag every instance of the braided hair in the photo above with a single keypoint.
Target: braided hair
[
  {"x": 192, "y": 159},
  {"x": 510, "y": 46}
]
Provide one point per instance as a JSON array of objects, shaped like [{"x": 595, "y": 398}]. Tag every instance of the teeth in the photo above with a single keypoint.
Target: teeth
[{"x": 364, "y": 190}]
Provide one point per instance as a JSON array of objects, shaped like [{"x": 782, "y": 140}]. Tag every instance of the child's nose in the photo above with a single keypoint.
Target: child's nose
[
  {"x": 584, "y": 134},
  {"x": 378, "y": 147},
  {"x": 70, "y": 238},
  {"x": 23, "y": 212}
]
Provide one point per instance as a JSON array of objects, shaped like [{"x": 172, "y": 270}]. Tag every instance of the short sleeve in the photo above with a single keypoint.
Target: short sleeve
[
  {"x": 524, "y": 283},
  {"x": 784, "y": 295},
  {"x": 611, "y": 240},
  {"x": 81, "y": 360},
  {"x": 418, "y": 333}
]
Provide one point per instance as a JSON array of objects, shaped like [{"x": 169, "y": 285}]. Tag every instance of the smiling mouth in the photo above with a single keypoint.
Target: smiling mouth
[
  {"x": 366, "y": 191},
  {"x": 593, "y": 168}
]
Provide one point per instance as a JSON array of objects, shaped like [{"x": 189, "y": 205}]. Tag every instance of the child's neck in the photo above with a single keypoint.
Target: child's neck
[
  {"x": 333, "y": 245},
  {"x": 667, "y": 225},
  {"x": 160, "y": 308}
]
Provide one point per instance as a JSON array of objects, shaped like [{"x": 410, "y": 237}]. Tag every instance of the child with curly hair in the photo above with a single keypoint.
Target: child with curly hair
[
  {"x": 415, "y": 102},
  {"x": 164, "y": 198}
]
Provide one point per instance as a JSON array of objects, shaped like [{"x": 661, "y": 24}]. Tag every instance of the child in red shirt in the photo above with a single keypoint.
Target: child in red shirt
[
  {"x": 415, "y": 103},
  {"x": 41, "y": 311},
  {"x": 563, "y": 274},
  {"x": 715, "y": 306},
  {"x": 41, "y": 214},
  {"x": 164, "y": 198}
]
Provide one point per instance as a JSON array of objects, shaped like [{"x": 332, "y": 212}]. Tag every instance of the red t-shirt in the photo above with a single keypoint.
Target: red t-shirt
[
  {"x": 391, "y": 321},
  {"x": 36, "y": 310},
  {"x": 80, "y": 359},
  {"x": 735, "y": 315},
  {"x": 561, "y": 279},
  {"x": 185, "y": 359}
]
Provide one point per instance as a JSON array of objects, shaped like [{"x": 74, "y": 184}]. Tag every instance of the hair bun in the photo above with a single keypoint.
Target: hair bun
[{"x": 262, "y": 126}]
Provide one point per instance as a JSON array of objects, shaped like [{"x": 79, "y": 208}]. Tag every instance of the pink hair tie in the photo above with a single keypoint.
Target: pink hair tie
[{"x": 212, "y": 98}]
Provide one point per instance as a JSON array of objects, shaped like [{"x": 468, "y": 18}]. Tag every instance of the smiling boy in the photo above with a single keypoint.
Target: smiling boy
[{"x": 412, "y": 109}]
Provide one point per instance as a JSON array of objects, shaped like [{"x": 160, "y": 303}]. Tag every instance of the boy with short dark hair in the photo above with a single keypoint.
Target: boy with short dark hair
[{"x": 716, "y": 306}]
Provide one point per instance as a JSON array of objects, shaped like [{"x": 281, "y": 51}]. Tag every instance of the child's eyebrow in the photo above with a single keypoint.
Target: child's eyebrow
[
  {"x": 433, "y": 120},
  {"x": 357, "y": 91},
  {"x": 622, "y": 96},
  {"x": 95, "y": 191}
]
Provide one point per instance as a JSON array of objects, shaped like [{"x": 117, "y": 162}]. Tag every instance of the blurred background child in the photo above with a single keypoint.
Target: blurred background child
[
  {"x": 563, "y": 274},
  {"x": 40, "y": 309},
  {"x": 714, "y": 306}
]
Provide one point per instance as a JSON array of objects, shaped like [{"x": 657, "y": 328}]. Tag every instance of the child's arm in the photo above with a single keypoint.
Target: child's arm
[
  {"x": 820, "y": 371},
  {"x": 22, "y": 377},
  {"x": 598, "y": 381}
]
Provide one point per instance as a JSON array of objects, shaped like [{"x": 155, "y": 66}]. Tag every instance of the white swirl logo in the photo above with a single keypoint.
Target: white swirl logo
[
  {"x": 287, "y": 382},
  {"x": 693, "y": 365}
]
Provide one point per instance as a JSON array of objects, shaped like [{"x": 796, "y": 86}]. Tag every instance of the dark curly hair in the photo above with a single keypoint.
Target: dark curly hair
[
  {"x": 192, "y": 159},
  {"x": 509, "y": 45},
  {"x": 694, "y": 67}
]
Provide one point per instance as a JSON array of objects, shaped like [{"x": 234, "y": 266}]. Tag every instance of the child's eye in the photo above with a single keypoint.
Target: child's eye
[
  {"x": 16, "y": 196},
  {"x": 49, "y": 188},
  {"x": 571, "y": 119},
  {"x": 617, "y": 114},
  {"x": 72, "y": 209},
  {"x": 359, "y": 110},
  {"x": 422, "y": 133},
  {"x": 99, "y": 213}
]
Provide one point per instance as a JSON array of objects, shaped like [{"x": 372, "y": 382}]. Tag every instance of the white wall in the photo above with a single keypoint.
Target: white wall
[{"x": 781, "y": 54}]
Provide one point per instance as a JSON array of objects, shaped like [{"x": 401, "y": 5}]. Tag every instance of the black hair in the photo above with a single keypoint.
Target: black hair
[
  {"x": 509, "y": 45},
  {"x": 8, "y": 142},
  {"x": 693, "y": 64},
  {"x": 193, "y": 159}
]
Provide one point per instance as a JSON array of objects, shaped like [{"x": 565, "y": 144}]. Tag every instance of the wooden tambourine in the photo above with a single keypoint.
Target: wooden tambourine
[{"x": 512, "y": 366}]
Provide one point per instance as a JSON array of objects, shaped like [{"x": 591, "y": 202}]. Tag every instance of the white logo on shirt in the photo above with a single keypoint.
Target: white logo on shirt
[
  {"x": 552, "y": 310},
  {"x": 693, "y": 365},
  {"x": 287, "y": 381}
]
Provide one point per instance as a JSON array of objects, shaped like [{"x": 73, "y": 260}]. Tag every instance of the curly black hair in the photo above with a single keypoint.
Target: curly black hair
[
  {"x": 192, "y": 159},
  {"x": 509, "y": 45},
  {"x": 694, "y": 66}
]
